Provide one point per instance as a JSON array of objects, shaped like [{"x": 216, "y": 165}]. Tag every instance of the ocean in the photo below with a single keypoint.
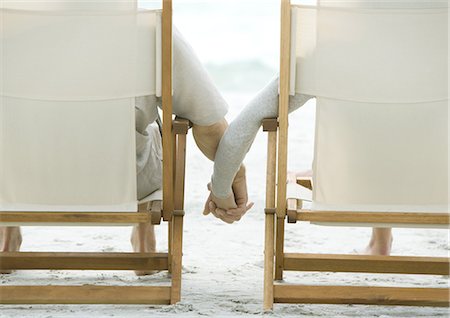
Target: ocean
[{"x": 237, "y": 41}]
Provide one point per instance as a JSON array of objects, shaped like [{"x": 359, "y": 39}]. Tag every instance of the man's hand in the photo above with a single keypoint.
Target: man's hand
[
  {"x": 211, "y": 206},
  {"x": 234, "y": 207}
]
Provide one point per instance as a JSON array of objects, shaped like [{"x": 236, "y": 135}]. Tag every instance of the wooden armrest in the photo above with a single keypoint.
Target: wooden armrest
[
  {"x": 156, "y": 212},
  {"x": 270, "y": 124},
  {"x": 422, "y": 218},
  {"x": 154, "y": 208},
  {"x": 305, "y": 182},
  {"x": 292, "y": 206},
  {"x": 181, "y": 125}
]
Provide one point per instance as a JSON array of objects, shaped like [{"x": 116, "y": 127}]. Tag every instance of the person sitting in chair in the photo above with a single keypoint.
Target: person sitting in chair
[
  {"x": 235, "y": 144},
  {"x": 195, "y": 98}
]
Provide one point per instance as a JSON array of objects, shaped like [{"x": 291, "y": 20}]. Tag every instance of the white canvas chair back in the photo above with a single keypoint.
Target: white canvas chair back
[
  {"x": 70, "y": 5},
  {"x": 379, "y": 72},
  {"x": 69, "y": 74}
]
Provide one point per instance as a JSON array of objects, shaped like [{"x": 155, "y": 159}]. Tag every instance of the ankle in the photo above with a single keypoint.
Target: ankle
[
  {"x": 11, "y": 239},
  {"x": 378, "y": 250},
  {"x": 385, "y": 240},
  {"x": 379, "y": 247}
]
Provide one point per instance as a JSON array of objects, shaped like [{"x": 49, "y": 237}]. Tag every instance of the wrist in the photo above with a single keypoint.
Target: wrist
[
  {"x": 241, "y": 172},
  {"x": 208, "y": 138}
]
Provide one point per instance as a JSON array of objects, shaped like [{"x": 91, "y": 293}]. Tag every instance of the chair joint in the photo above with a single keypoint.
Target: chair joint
[
  {"x": 292, "y": 206},
  {"x": 178, "y": 213},
  {"x": 270, "y": 124},
  {"x": 292, "y": 216},
  {"x": 156, "y": 212},
  {"x": 270, "y": 211},
  {"x": 181, "y": 126}
]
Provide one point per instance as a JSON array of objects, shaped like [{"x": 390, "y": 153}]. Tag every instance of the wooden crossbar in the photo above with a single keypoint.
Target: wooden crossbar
[
  {"x": 86, "y": 294},
  {"x": 366, "y": 264},
  {"x": 116, "y": 218},
  {"x": 83, "y": 261},
  {"x": 365, "y": 295},
  {"x": 374, "y": 217}
]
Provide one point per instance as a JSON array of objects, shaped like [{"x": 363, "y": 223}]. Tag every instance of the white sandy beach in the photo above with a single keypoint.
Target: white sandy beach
[{"x": 223, "y": 264}]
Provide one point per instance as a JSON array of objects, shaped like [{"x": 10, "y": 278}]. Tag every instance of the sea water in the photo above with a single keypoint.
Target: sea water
[{"x": 237, "y": 41}]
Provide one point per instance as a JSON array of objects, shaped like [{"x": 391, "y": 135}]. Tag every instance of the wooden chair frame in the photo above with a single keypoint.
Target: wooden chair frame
[
  {"x": 171, "y": 210},
  {"x": 278, "y": 209}
]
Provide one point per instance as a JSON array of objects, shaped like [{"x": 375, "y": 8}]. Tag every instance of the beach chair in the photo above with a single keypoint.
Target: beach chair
[
  {"x": 70, "y": 73},
  {"x": 379, "y": 75}
]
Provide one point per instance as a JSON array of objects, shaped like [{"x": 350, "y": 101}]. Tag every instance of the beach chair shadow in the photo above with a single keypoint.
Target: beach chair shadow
[
  {"x": 381, "y": 143},
  {"x": 67, "y": 142}
]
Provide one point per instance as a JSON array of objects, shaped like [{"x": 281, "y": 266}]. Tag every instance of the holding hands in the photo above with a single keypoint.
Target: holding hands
[{"x": 232, "y": 208}]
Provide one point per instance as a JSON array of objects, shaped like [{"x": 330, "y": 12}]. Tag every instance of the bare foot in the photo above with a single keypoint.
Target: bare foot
[
  {"x": 143, "y": 241},
  {"x": 380, "y": 242},
  {"x": 377, "y": 249},
  {"x": 10, "y": 241}
]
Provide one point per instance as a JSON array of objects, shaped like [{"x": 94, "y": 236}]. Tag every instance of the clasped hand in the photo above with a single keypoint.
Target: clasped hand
[{"x": 232, "y": 208}]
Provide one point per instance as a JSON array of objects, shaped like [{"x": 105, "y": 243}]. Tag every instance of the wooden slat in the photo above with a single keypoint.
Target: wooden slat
[
  {"x": 366, "y": 264},
  {"x": 86, "y": 294},
  {"x": 83, "y": 261},
  {"x": 176, "y": 266},
  {"x": 117, "y": 218},
  {"x": 270, "y": 218},
  {"x": 180, "y": 167},
  {"x": 279, "y": 248},
  {"x": 170, "y": 243},
  {"x": 269, "y": 261},
  {"x": 373, "y": 217},
  {"x": 285, "y": 53},
  {"x": 167, "y": 109},
  {"x": 174, "y": 160},
  {"x": 271, "y": 172},
  {"x": 176, "y": 224},
  {"x": 370, "y": 295}
]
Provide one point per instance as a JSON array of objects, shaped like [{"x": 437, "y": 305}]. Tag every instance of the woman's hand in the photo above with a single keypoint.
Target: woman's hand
[{"x": 232, "y": 208}]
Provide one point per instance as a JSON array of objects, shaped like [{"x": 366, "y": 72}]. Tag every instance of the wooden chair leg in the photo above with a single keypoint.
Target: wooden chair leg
[
  {"x": 180, "y": 130},
  {"x": 279, "y": 248},
  {"x": 270, "y": 125},
  {"x": 269, "y": 259},
  {"x": 166, "y": 94},
  {"x": 170, "y": 248},
  {"x": 177, "y": 220},
  {"x": 180, "y": 168}
]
